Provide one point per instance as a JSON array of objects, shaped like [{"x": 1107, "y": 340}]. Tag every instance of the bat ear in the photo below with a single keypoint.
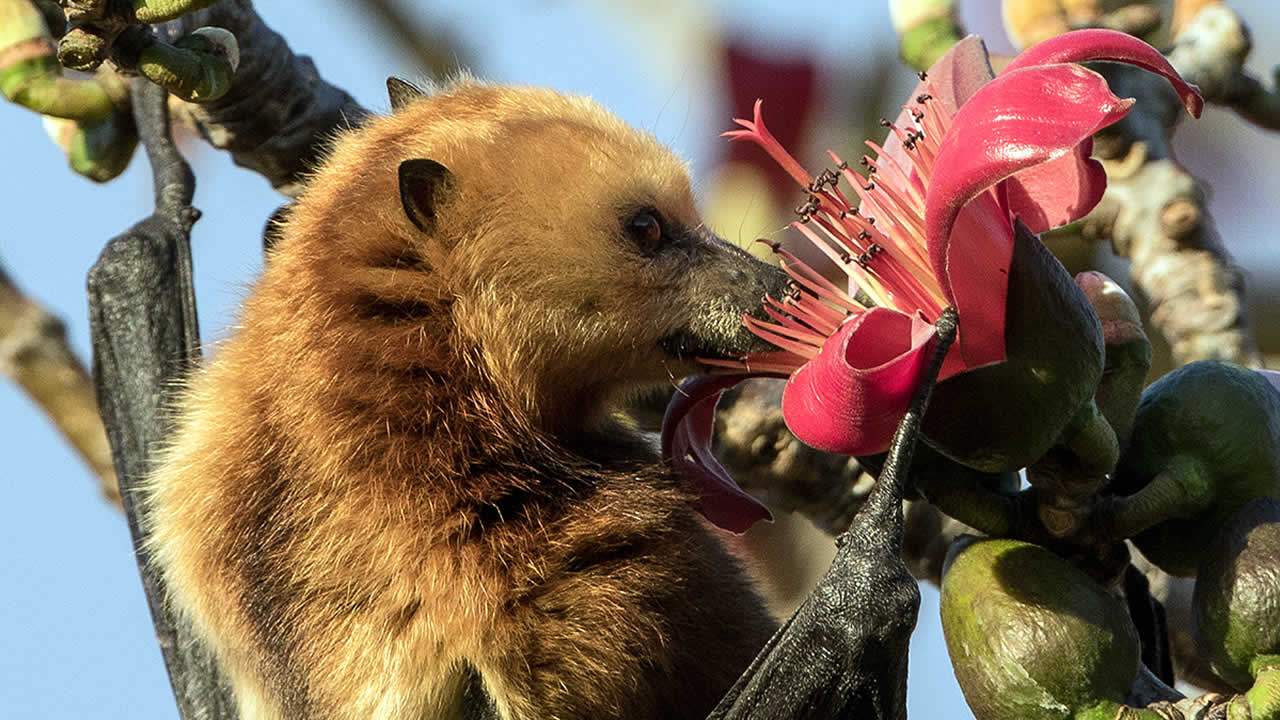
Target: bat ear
[
  {"x": 402, "y": 92},
  {"x": 424, "y": 185}
]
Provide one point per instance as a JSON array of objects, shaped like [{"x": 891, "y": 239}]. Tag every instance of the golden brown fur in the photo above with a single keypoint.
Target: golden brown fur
[{"x": 401, "y": 469}]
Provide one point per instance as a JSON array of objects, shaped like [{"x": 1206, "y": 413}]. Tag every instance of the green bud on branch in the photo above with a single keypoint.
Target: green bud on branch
[
  {"x": 98, "y": 149},
  {"x": 1236, "y": 603},
  {"x": 926, "y": 29},
  {"x": 1032, "y": 637},
  {"x": 1205, "y": 441},
  {"x": 196, "y": 68},
  {"x": 30, "y": 75}
]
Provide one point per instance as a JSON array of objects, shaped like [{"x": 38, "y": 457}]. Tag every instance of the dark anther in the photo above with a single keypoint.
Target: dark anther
[
  {"x": 871, "y": 220},
  {"x": 845, "y": 257},
  {"x": 844, "y": 165},
  {"x": 869, "y": 186},
  {"x": 918, "y": 115},
  {"x": 924, "y": 75},
  {"x": 923, "y": 98},
  {"x": 774, "y": 246},
  {"x": 875, "y": 249},
  {"x": 885, "y": 123},
  {"x": 807, "y": 209},
  {"x": 865, "y": 161},
  {"x": 864, "y": 235}
]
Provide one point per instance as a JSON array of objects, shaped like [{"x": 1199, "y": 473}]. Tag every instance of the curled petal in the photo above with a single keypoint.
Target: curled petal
[
  {"x": 849, "y": 398},
  {"x": 1058, "y": 192},
  {"x": 976, "y": 280},
  {"x": 686, "y": 449},
  {"x": 1109, "y": 46},
  {"x": 1018, "y": 121}
]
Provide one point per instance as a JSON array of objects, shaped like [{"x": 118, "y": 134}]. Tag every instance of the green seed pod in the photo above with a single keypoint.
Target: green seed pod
[
  {"x": 100, "y": 149},
  {"x": 1206, "y": 440},
  {"x": 1030, "y": 636},
  {"x": 1236, "y": 604},
  {"x": 1128, "y": 350},
  {"x": 1006, "y": 416}
]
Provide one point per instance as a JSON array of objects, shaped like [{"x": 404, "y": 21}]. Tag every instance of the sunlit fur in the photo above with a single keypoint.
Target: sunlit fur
[{"x": 401, "y": 466}]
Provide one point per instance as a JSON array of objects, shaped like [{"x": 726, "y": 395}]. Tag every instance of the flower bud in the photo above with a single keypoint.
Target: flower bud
[
  {"x": 1205, "y": 441},
  {"x": 1128, "y": 350},
  {"x": 1236, "y": 604},
  {"x": 1032, "y": 637},
  {"x": 1006, "y": 416}
]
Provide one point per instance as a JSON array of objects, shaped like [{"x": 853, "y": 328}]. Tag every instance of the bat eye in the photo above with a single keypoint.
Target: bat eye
[{"x": 645, "y": 230}]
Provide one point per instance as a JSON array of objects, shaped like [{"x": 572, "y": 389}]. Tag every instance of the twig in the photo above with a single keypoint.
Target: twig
[
  {"x": 1211, "y": 49},
  {"x": 34, "y": 352}
]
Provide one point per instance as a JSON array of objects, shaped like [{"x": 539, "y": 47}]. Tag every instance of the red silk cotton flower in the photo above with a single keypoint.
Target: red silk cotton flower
[{"x": 970, "y": 155}]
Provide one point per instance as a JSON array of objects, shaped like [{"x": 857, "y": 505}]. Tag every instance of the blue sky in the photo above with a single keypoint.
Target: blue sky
[{"x": 78, "y": 640}]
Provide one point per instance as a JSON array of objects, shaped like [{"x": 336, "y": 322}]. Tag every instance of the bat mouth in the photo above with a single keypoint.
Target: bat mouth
[{"x": 685, "y": 344}]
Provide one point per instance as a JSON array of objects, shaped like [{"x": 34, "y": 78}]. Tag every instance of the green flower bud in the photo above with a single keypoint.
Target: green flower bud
[
  {"x": 1128, "y": 350},
  {"x": 1236, "y": 604},
  {"x": 1031, "y": 637},
  {"x": 1206, "y": 440},
  {"x": 1006, "y": 416},
  {"x": 98, "y": 149},
  {"x": 197, "y": 67}
]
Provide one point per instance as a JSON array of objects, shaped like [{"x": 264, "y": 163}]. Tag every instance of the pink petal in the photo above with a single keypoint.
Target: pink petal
[
  {"x": 1020, "y": 120},
  {"x": 1058, "y": 192},
  {"x": 686, "y": 449},
  {"x": 849, "y": 398},
  {"x": 952, "y": 80},
  {"x": 977, "y": 280},
  {"x": 1110, "y": 46},
  {"x": 1017, "y": 121}
]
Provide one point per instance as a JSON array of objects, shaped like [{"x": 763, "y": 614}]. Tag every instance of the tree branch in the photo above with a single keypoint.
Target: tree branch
[
  {"x": 1154, "y": 211},
  {"x": 34, "y": 352},
  {"x": 279, "y": 113}
]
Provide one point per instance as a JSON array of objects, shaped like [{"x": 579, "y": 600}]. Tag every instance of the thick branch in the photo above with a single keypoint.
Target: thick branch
[
  {"x": 1154, "y": 211},
  {"x": 34, "y": 352},
  {"x": 279, "y": 112}
]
